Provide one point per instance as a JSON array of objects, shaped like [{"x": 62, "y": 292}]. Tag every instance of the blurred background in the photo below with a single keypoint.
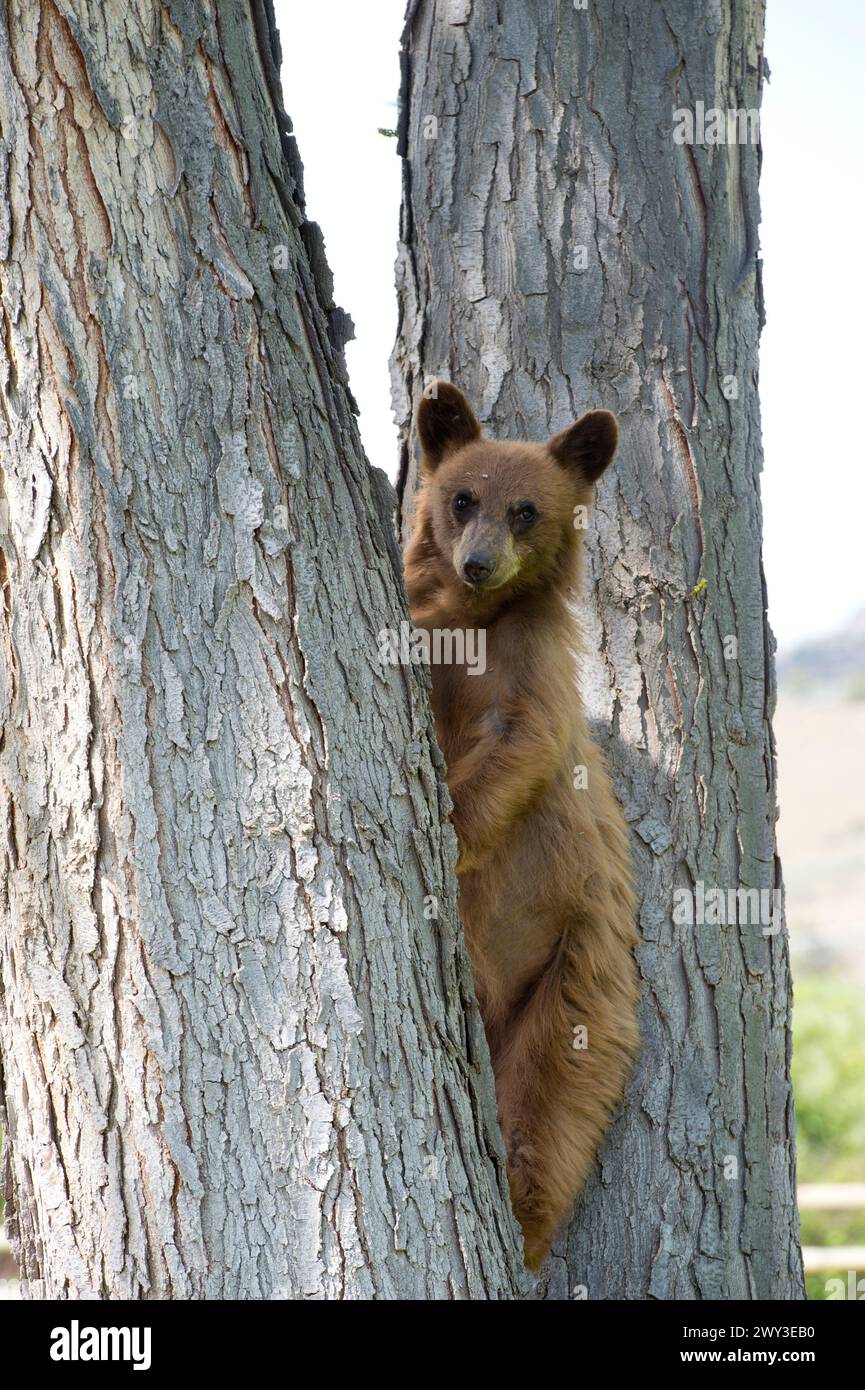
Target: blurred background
[
  {"x": 813, "y": 501},
  {"x": 813, "y": 495}
]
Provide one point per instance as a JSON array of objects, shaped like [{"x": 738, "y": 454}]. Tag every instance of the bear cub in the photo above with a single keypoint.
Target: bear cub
[{"x": 546, "y": 895}]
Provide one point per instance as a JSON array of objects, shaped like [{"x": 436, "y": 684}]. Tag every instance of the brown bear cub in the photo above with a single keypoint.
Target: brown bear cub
[{"x": 545, "y": 880}]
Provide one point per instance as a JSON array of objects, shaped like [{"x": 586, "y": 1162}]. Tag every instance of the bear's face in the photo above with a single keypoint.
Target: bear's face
[
  {"x": 500, "y": 512},
  {"x": 503, "y": 513}
]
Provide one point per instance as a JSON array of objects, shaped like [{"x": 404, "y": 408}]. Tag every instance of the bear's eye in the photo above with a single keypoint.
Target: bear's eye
[
  {"x": 462, "y": 502},
  {"x": 525, "y": 516}
]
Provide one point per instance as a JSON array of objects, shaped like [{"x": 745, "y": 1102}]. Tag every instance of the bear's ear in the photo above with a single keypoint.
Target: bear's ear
[
  {"x": 589, "y": 445},
  {"x": 445, "y": 422}
]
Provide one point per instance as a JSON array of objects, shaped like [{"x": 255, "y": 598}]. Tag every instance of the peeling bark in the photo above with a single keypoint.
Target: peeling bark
[
  {"x": 560, "y": 251},
  {"x": 239, "y": 1059}
]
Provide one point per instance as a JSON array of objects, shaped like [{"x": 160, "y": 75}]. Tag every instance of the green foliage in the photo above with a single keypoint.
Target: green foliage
[
  {"x": 829, "y": 1077},
  {"x": 831, "y": 1228},
  {"x": 829, "y": 1082}
]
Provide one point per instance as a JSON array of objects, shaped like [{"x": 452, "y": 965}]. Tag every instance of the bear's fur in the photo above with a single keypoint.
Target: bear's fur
[{"x": 546, "y": 896}]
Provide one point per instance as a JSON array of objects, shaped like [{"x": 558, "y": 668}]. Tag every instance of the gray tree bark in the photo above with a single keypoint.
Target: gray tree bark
[
  {"x": 559, "y": 251},
  {"x": 242, "y": 1054}
]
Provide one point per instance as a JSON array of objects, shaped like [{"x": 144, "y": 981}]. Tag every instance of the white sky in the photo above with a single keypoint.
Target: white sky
[{"x": 341, "y": 77}]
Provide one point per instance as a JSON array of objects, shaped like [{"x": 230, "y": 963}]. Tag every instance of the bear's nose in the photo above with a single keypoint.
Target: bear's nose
[{"x": 478, "y": 567}]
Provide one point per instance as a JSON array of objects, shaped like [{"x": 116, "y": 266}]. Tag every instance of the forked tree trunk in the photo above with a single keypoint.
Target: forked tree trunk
[
  {"x": 560, "y": 250},
  {"x": 242, "y": 1055}
]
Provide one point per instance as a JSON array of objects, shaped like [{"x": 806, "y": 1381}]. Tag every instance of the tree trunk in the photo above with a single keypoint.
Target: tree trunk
[
  {"x": 242, "y": 1054},
  {"x": 561, "y": 250}
]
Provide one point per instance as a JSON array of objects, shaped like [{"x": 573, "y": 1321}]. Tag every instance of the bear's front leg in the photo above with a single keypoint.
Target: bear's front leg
[{"x": 507, "y": 766}]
